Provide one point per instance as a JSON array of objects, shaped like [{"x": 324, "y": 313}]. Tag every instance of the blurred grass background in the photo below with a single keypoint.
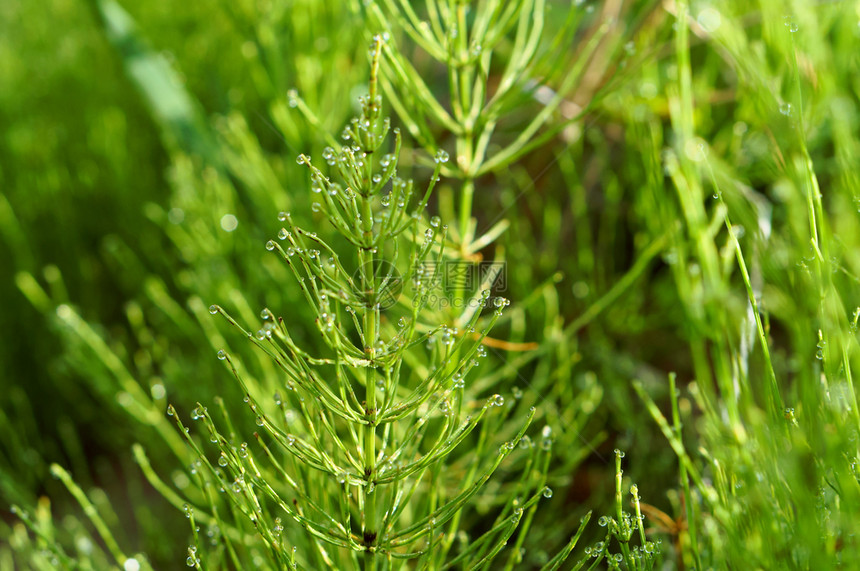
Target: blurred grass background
[
  {"x": 145, "y": 154},
  {"x": 132, "y": 194}
]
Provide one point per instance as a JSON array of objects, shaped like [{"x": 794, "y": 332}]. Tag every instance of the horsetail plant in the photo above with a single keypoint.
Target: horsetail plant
[
  {"x": 467, "y": 39},
  {"x": 360, "y": 457}
]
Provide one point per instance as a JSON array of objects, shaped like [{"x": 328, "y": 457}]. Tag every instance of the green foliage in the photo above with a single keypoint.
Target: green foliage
[
  {"x": 671, "y": 185},
  {"x": 364, "y": 438}
]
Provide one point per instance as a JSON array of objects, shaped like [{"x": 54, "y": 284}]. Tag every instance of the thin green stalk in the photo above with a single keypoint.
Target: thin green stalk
[
  {"x": 685, "y": 481},
  {"x": 775, "y": 401},
  {"x": 369, "y": 430},
  {"x": 467, "y": 194},
  {"x": 371, "y": 316},
  {"x": 91, "y": 511}
]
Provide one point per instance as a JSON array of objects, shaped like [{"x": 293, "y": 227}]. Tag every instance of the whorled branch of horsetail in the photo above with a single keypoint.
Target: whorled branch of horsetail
[
  {"x": 343, "y": 385},
  {"x": 293, "y": 484},
  {"x": 314, "y": 456},
  {"x": 457, "y": 376},
  {"x": 457, "y": 390},
  {"x": 334, "y": 289},
  {"x": 320, "y": 390},
  {"x": 505, "y": 523},
  {"x": 230, "y": 534},
  {"x": 528, "y": 139},
  {"x": 343, "y": 208},
  {"x": 328, "y": 466},
  {"x": 347, "y": 165},
  {"x": 309, "y": 373},
  {"x": 515, "y": 508},
  {"x": 344, "y": 506},
  {"x": 444, "y": 513},
  {"x": 314, "y": 270},
  {"x": 304, "y": 373},
  {"x": 316, "y": 529},
  {"x": 432, "y": 382},
  {"x": 298, "y": 368},
  {"x": 293, "y": 445},
  {"x": 300, "y": 357},
  {"x": 447, "y": 511},
  {"x": 295, "y": 238},
  {"x": 447, "y": 441},
  {"x": 414, "y": 436}
]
